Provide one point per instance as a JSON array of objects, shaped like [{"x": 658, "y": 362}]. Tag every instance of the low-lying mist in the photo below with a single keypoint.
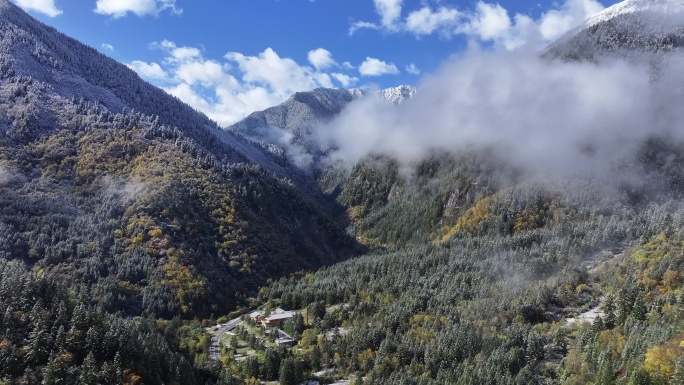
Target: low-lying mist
[{"x": 544, "y": 116}]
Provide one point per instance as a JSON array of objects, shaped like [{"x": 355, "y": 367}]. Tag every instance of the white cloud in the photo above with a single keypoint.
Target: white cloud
[
  {"x": 362, "y": 25},
  {"x": 148, "y": 70},
  {"x": 119, "y": 8},
  {"x": 390, "y": 15},
  {"x": 375, "y": 67},
  {"x": 537, "y": 114},
  {"x": 227, "y": 90},
  {"x": 345, "y": 80},
  {"x": 556, "y": 22},
  {"x": 206, "y": 72},
  {"x": 488, "y": 22},
  {"x": 412, "y": 69},
  {"x": 389, "y": 11},
  {"x": 46, "y": 7},
  {"x": 426, "y": 21},
  {"x": 178, "y": 54},
  {"x": 321, "y": 59},
  {"x": 347, "y": 65},
  {"x": 107, "y": 47},
  {"x": 281, "y": 75}
]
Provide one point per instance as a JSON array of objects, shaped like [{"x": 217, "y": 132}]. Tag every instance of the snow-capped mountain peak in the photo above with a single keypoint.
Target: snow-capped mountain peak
[
  {"x": 290, "y": 127},
  {"x": 632, "y": 29},
  {"x": 398, "y": 95},
  {"x": 666, "y": 10}
]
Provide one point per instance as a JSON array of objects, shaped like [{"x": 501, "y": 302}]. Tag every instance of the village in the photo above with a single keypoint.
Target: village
[
  {"x": 241, "y": 336},
  {"x": 254, "y": 335}
]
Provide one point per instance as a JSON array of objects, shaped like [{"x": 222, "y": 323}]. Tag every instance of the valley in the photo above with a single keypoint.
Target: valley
[{"x": 517, "y": 224}]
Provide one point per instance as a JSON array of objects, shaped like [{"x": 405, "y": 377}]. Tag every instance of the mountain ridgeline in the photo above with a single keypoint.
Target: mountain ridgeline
[
  {"x": 125, "y": 202},
  {"x": 289, "y": 131},
  {"x": 628, "y": 29},
  {"x": 129, "y": 222}
]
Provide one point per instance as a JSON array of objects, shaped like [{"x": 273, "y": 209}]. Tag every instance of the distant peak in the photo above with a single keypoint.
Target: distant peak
[
  {"x": 399, "y": 94},
  {"x": 662, "y": 7}
]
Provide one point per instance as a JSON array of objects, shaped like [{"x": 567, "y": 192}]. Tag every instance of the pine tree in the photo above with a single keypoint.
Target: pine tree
[
  {"x": 37, "y": 344},
  {"x": 605, "y": 374},
  {"x": 678, "y": 376},
  {"x": 316, "y": 357},
  {"x": 88, "y": 371},
  {"x": 271, "y": 365},
  {"x": 288, "y": 374}
]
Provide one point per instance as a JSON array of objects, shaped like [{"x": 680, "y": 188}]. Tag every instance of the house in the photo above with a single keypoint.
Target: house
[
  {"x": 256, "y": 316},
  {"x": 278, "y": 317},
  {"x": 284, "y": 338}
]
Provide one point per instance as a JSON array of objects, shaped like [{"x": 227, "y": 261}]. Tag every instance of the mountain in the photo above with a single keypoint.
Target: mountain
[
  {"x": 121, "y": 205},
  {"x": 126, "y": 217},
  {"x": 129, "y": 222},
  {"x": 481, "y": 274},
  {"x": 627, "y": 29},
  {"x": 290, "y": 126},
  {"x": 399, "y": 94},
  {"x": 54, "y": 73},
  {"x": 305, "y": 109}
]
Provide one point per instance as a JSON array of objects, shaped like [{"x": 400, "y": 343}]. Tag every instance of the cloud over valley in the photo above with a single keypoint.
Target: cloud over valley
[{"x": 541, "y": 114}]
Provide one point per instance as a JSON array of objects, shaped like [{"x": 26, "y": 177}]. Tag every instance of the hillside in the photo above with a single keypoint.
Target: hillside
[
  {"x": 480, "y": 267},
  {"x": 136, "y": 208},
  {"x": 135, "y": 233},
  {"x": 290, "y": 129},
  {"x": 628, "y": 29}
]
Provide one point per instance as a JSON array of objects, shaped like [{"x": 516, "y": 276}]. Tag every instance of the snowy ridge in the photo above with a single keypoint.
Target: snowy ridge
[
  {"x": 398, "y": 95},
  {"x": 55, "y": 74},
  {"x": 632, "y": 29},
  {"x": 666, "y": 9},
  {"x": 288, "y": 129},
  {"x": 301, "y": 111}
]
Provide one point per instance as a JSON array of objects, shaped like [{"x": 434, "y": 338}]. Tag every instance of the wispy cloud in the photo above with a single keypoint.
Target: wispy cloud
[
  {"x": 46, "y": 7},
  {"x": 345, "y": 80},
  {"x": 426, "y": 21},
  {"x": 107, "y": 47},
  {"x": 148, "y": 70},
  {"x": 412, "y": 69},
  {"x": 120, "y": 8},
  {"x": 486, "y": 22}
]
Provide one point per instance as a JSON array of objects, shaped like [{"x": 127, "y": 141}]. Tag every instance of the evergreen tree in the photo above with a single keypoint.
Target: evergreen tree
[
  {"x": 678, "y": 376},
  {"x": 605, "y": 374},
  {"x": 271, "y": 364},
  {"x": 288, "y": 373},
  {"x": 88, "y": 371}
]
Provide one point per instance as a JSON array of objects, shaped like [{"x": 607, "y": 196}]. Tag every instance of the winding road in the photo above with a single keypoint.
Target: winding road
[{"x": 215, "y": 348}]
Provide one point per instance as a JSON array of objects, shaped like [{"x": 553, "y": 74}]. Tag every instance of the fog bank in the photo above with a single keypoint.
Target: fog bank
[{"x": 542, "y": 115}]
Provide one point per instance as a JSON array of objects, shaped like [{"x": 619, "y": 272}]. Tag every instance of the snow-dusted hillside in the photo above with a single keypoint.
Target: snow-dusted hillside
[
  {"x": 627, "y": 29},
  {"x": 289, "y": 127},
  {"x": 46, "y": 76},
  {"x": 299, "y": 111},
  {"x": 304, "y": 109}
]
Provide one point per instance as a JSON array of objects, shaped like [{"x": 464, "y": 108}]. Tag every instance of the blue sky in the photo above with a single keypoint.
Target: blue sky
[{"x": 228, "y": 58}]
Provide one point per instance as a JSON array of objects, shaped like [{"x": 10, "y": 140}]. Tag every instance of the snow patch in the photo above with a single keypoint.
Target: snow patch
[{"x": 588, "y": 316}]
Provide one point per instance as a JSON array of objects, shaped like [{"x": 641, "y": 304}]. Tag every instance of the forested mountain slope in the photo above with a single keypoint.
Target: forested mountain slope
[
  {"x": 628, "y": 29},
  {"x": 132, "y": 207},
  {"x": 128, "y": 220},
  {"x": 480, "y": 269}
]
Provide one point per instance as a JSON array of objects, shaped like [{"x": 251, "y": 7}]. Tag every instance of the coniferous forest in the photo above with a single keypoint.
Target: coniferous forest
[{"x": 138, "y": 238}]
